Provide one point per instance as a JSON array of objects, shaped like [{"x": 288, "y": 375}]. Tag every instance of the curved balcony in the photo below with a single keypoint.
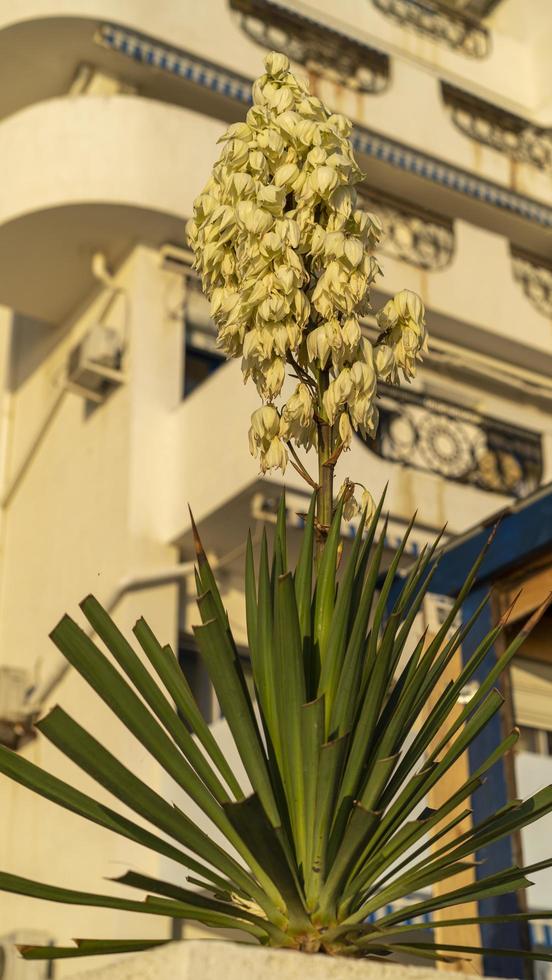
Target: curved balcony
[
  {"x": 87, "y": 174},
  {"x": 43, "y": 42}
]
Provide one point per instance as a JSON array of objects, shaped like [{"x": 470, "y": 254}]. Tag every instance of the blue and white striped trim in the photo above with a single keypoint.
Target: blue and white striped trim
[
  {"x": 238, "y": 88},
  {"x": 190, "y": 68},
  {"x": 387, "y": 150}
]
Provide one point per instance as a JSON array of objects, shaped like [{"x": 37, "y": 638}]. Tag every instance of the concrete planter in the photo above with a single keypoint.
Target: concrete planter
[{"x": 208, "y": 960}]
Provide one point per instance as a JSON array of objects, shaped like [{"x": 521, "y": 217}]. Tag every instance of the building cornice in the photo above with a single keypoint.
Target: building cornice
[{"x": 236, "y": 87}]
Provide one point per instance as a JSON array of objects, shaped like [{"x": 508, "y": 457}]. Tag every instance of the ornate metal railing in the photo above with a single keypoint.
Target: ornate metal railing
[
  {"x": 438, "y": 436},
  {"x": 535, "y": 277},
  {"x": 457, "y": 29},
  {"x": 513, "y": 135},
  {"x": 319, "y": 48},
  {"x": 418, "y": 237}
]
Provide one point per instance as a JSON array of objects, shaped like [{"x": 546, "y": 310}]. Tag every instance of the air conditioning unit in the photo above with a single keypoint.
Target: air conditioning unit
[
  {"x": 95, "y": 364},
  {"x": 15, "y": 724},
  {"x": 12, "y": 966}
]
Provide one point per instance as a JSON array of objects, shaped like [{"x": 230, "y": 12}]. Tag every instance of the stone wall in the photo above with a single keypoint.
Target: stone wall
[{"x": 208, "y": 960}]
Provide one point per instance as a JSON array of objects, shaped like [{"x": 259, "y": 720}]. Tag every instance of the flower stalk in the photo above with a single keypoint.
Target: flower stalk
[
  {"x": 324, "y": 497},
  {"x": 286, "y": 258}
]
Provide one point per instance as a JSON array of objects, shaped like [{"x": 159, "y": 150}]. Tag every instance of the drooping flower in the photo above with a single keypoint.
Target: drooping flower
[
  {"x": 402, "y": 321},
  {"x": 298, "y": 418},
  {"x": 351, "y": 506}
]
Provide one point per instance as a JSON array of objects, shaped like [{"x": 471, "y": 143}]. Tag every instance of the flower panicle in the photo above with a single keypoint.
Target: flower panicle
[{"x": 286, "y": 258}]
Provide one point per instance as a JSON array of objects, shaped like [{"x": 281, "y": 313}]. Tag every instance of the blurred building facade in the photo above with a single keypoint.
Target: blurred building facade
[{"x": 116, "y": 408}]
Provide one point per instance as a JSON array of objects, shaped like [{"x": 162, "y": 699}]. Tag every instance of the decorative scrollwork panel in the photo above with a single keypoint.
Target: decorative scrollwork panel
[
  {"x": 535, "y": 278},
  {"x": 417, "y": 237},
  {"x": 463, "y": 446},
  {"x": 320, "y": 49},
  {"x": 437, "y": 20},
  {"x": 489, "y": 124}
]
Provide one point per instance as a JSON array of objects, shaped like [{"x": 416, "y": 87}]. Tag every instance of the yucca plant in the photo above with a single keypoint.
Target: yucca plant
[
  {"x": 332, "y": 829},
  {"x": 339, "y": 745}
]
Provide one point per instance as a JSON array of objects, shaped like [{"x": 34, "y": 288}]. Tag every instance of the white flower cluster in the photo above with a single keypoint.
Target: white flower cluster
[
  {"x": 403, "y": 337},
  {"x": 285, "y": 258}
]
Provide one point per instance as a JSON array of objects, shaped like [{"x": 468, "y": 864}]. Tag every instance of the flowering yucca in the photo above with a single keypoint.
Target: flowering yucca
[
  {"x": 352, "y": 724},
  {"x": 286, "y": 259}
]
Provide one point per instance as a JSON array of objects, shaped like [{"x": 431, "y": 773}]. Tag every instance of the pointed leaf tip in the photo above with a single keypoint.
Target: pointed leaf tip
[
  {"x": 508, "y": 611},
  {"x": 537, "y": 616},
  {"x": 198, "y": 547}
]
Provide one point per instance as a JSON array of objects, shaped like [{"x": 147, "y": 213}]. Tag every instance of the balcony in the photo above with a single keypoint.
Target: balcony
[{"x": 89, "y": 174}]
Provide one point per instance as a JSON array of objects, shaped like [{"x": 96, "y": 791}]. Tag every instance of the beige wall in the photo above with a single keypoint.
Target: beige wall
[{"x": 77, "y": 524}]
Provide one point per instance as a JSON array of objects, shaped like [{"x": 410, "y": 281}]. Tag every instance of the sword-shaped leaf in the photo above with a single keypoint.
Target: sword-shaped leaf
[
  {"x": 169, "y": 671},
  {"x": 94, "y": 759},
  {"x": 144, "y": 683},
  {"x": 89, "y": 947}
]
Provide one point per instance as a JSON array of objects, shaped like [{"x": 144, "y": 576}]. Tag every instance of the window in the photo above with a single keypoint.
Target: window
[
  {"x": 536, "y": 740},
  {"x": 200, "y": 363},
  {"x": 201, "y": 356},
  {"x": 532, "y": 694}
]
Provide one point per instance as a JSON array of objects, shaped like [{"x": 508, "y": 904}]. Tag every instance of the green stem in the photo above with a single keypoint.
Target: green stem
[{"x": 324, "y": 501}]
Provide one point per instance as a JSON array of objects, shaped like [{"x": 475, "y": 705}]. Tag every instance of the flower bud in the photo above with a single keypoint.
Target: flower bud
[
  {"x": 317, "y": 156},
  {"x": 282, "y": 101},
  {"x": 367, "y": 505},
  {"x": 346, "y": 493},
  {"x": 330, "y": 403},
  {"x": 343, "y": 386},
  {"x": 345, "y": 430},
  {"x": 341, "y": 124},
  {"x": 318, "y": 346},
  {"x": 288, "y": 122},
  {"x": 384, "y": 361},
  {"x": 300, "y": 405},
  {"x": 286, "y": 174},
  {"x": 275, "y": 457},
  {"x": 323, "y": 180},
  {"x": 306, "y": 132},
  {"x": 353, "y": 251},
  {"x": 265, "y": 423},
  {"x": 276, "y": 64},
  {"x": 274, "y": 378},
  {"x": 350, "y": 332}
]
